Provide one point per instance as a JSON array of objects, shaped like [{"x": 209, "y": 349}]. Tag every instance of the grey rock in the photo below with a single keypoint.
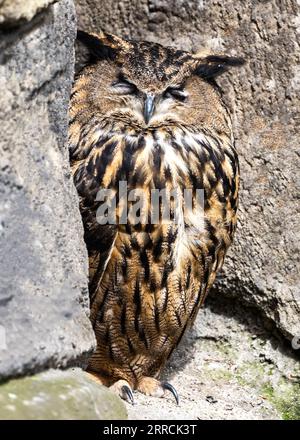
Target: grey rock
[
  {"x": 59, "y": 395},
  {"x": 262, "y": 267},
  {"x": 44, "y": 303},
  {"x": 15, "y": 11}
]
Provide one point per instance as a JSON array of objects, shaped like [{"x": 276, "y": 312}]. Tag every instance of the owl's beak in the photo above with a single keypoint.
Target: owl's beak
[{"x": 148, "y": 107}]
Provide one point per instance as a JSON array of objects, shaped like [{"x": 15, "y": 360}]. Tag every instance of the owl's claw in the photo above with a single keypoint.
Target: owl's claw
[
  {"x": 169, "y": 387},
  {"x": 123, "y": 390},
  {"x": 127, "y": 394}
]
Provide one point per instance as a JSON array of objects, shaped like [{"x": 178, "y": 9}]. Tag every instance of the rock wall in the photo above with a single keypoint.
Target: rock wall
[
  {"x": 262, "y": 268},
  {"x": 43, "y": 266}
]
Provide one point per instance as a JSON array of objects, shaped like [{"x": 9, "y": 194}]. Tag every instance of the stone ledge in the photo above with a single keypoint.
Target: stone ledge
[{"x": 59, "y": 395}]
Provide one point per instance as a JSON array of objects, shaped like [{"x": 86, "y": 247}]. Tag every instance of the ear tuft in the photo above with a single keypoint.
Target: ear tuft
[
  {"x": 214, "y": 65},
  {"x": 97, "y": 45},
  {"x": 229, "y": 61}
]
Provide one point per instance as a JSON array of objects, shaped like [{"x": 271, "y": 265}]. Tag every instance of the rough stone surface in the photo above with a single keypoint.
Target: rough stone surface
[
  {"x": 262, "y": 267},
  {"x": 14, "y": 11},
  {"x": 43, "y": 263},
  {"x": 229, "y": 367},
  {"x": 59, "y": 395}
]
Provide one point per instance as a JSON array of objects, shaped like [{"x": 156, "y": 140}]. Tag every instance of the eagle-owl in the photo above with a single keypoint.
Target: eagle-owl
[{"x": 153, "y": 117}]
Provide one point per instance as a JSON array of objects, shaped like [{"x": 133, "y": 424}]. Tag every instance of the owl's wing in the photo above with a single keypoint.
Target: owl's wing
[
  {"x": 99, "y": 238},
  {"x": 217, "y": 172}
]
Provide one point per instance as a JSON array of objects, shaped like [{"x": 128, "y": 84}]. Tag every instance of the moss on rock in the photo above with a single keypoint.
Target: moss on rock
[{"x": 59, "y": 395}]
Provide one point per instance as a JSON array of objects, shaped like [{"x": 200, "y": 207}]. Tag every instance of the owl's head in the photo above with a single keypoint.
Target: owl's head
[{"x": 146, "y": 85}]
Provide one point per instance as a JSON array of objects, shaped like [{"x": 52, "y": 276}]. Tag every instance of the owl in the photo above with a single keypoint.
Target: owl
[{"x": 151, "y": 118}]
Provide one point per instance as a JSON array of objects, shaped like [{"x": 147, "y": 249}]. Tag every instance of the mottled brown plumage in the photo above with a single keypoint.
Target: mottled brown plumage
[{"x": 151, "y": 116}]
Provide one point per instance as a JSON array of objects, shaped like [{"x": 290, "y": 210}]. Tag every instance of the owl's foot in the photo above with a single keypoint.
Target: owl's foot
[
  {"x": 146, "y": 385},
  {"x": 121, "y": 387},
  {"x": 153, "y": 387},
  {"x": 123, "y": 390}
]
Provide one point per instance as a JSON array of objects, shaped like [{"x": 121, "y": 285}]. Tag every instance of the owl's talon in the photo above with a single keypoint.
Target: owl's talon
[
  {"x": 127, "y": 394},
  {"x": 169, "y": 387},
  {"x": 123, "y": 390}
]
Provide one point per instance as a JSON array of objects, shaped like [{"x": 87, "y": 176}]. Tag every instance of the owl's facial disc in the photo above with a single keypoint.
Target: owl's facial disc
[{"x": 145, "y": 104}]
